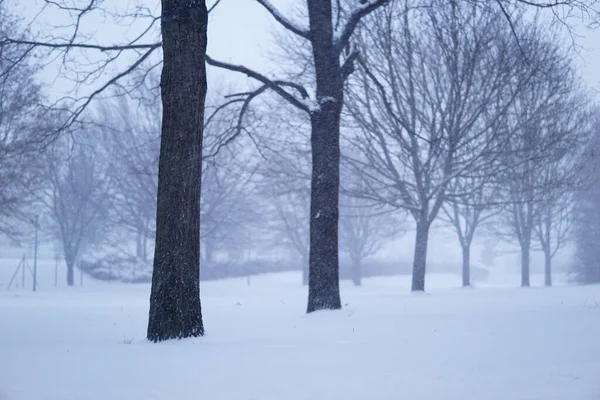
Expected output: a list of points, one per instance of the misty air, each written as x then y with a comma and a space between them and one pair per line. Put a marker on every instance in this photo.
299, 199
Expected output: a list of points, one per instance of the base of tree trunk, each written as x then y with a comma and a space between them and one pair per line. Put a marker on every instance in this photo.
329, 300
70, 276
548, 270
418, 280
420, 258
166, 323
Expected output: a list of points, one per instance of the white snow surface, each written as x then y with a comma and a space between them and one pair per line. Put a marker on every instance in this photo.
504, 343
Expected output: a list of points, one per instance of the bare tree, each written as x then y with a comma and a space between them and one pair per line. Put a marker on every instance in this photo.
467, 211
285, 180
132, 137
364, 229
175, 310
547, 122
291, 224
427, 106
554, 229
22, 125
328, 32
76, 198
228, 209
560, 178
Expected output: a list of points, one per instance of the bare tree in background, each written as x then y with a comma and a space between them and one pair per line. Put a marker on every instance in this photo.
560, 178
76, 198
291, 224
554, 228
132, 138
546, 121
364, 230
465, 214
228, 209
285, 180
22, 126
427, 105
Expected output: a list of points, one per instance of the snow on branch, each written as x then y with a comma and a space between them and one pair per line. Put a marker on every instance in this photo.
287, 24
276, 85
365, 8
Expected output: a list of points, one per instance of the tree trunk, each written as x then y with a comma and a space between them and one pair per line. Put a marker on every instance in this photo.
466, 265
547, 268
323, 278
525, 265
175, 310
324, 285
420, 258
70, 274
356, 273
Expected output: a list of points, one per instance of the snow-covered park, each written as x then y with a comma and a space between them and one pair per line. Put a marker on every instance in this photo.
495, 341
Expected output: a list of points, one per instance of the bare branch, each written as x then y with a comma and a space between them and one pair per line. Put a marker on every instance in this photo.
285, 22
273, 85
79, 110
359, 13
69, 45
212, 8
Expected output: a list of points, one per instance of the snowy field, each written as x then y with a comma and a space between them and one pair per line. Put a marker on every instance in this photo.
501, 343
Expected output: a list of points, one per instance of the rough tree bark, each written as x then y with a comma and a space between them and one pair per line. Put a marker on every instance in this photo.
175, 310
323, 285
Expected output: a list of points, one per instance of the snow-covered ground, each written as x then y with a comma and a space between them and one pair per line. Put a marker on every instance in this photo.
501, 343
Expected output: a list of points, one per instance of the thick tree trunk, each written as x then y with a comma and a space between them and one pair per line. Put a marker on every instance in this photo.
323, 278
323, 285
547, 268
356, 273
466, 265
175, 310
420, 258
525, 265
